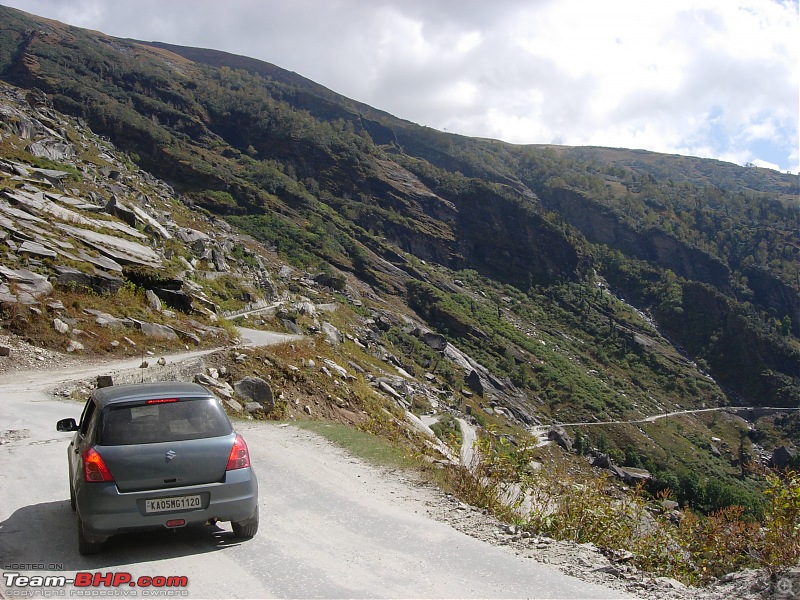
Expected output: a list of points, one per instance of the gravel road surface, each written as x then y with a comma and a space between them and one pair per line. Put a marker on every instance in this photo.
331, 526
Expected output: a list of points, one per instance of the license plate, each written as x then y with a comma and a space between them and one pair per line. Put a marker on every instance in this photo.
175, 503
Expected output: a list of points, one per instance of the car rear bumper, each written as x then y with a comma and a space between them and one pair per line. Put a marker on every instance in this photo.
106, 511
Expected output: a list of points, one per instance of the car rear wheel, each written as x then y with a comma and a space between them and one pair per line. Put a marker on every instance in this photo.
72, 504
246, 529
84, 545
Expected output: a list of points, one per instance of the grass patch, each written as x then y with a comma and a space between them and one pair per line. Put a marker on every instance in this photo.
375, 450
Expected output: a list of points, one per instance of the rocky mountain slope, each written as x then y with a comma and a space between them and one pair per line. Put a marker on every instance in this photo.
100, 260
147, 191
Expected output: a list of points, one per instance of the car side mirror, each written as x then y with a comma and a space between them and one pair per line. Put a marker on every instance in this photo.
67, 425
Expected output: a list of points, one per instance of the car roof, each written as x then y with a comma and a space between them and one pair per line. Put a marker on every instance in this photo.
149, 391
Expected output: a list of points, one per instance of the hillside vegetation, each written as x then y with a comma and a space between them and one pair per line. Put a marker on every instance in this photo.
514, 286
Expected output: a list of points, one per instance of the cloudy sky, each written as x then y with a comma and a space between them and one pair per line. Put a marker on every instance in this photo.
711, 78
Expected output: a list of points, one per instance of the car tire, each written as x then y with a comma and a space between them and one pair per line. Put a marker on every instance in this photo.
246, 529
84, 545
72, 503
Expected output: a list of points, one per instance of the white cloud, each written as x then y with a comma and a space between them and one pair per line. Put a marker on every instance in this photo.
704, 77
766, 165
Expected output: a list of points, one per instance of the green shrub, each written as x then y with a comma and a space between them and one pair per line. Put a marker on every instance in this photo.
551, 501
781, 545
448, 430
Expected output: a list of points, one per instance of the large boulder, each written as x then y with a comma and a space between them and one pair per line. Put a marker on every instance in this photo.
475, 383
191, 236
177, 299
153, 300
156, 330
106, 320
560, 437
332, 335
60, 326
602, 461
629, 475
187, 336
292, 326
306, 308
333, 281
123, 213
783, 457
435, 341
255, 389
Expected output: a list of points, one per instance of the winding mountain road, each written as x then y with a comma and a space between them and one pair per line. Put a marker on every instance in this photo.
332, 526
256, 337
542, 429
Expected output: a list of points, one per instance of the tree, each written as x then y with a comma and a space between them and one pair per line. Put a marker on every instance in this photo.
580, 443
786, 326
602, 442
744, 454
632, 457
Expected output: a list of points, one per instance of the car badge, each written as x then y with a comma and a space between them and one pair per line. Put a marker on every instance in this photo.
170, 455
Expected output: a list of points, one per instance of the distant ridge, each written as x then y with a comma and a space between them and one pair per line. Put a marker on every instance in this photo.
220, 58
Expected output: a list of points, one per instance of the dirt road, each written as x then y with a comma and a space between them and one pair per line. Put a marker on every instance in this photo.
332, 527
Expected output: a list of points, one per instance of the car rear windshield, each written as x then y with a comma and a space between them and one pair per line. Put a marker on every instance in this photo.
168, 421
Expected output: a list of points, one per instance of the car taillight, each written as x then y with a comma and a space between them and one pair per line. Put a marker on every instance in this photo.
239, 457
94, 469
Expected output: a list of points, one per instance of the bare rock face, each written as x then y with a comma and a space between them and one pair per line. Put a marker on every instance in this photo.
264, 282
255, 389
29, 285
36, 250
99, 282
121, 250
52, 150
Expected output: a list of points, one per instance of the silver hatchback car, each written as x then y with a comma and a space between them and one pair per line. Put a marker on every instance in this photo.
155, 455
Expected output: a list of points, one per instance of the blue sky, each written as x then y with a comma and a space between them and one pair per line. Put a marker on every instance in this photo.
711, 78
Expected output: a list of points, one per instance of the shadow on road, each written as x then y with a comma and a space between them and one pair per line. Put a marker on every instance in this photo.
46, 534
